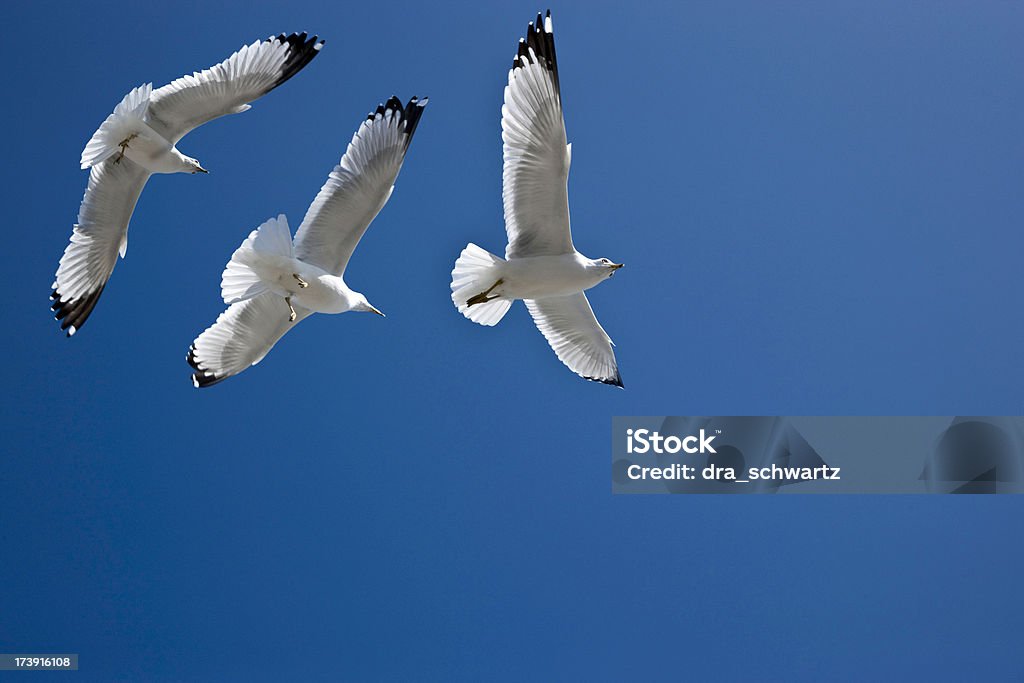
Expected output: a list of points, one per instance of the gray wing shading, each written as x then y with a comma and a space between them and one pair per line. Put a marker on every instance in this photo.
228, 87
241, 337
100, 234
536, 169
358, 187
579, 341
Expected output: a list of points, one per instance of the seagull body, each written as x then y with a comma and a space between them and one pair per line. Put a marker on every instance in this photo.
323, 293
540, 277
541, 265
266, 261
126, 130
140, 138
157, 155
272, 281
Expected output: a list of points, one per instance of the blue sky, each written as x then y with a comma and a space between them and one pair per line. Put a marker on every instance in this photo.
819, 206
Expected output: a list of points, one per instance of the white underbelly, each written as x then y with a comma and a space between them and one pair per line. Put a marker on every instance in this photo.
151, 157
543, 276
324, 293
149, 150
320, 298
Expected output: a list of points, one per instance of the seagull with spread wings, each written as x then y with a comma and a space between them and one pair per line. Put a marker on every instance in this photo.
541, 265
271, 283
140, 138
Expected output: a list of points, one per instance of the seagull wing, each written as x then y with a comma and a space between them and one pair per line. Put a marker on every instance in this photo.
536, 170
579, 341
228, 87
358, 187
100, 234
242, 336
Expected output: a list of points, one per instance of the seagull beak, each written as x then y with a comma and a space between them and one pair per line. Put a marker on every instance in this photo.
616, 266
374, 310
201, 169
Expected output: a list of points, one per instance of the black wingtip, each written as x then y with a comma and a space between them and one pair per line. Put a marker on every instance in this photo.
409, 114
301, 51
413, 112
542, 43
613, 381
72, 313
200, 378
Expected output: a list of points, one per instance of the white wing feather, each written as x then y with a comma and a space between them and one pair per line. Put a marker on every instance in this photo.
228, 87
100, 234
358, 187
241, 337
579, 341
536, 169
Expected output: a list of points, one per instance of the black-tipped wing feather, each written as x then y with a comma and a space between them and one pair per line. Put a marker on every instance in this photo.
230, 86
579, 341
99, 235
358, 187
539, 40
241, 337
536, 170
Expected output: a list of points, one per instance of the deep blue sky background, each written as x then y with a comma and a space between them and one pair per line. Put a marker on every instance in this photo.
819, 206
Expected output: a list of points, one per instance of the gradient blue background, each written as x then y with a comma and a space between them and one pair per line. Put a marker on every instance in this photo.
819, 206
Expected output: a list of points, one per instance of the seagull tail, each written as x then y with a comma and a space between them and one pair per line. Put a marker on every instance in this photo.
119, 126
475, 270
266, 249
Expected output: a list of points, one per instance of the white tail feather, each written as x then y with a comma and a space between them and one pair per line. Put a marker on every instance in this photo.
125, 120
475, 271
267, 244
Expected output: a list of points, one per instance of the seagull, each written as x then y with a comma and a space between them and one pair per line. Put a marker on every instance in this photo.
541, 265
271, 283
140, 138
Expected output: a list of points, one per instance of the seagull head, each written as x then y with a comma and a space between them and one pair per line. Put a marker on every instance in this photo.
194, 166
365, 306
608, 266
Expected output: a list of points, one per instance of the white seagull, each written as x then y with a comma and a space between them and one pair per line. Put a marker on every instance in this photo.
140, 139
270, 283
541, 266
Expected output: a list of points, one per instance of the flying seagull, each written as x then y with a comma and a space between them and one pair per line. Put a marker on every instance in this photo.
541, 265
271, 283
140, 139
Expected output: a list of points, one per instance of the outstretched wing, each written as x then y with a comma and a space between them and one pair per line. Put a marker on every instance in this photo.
101, 232
536, 170
229, 87
241, 337
358, 187
579, 341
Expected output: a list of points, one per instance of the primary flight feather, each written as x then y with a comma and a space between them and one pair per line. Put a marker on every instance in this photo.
140, 138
